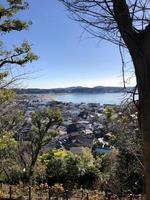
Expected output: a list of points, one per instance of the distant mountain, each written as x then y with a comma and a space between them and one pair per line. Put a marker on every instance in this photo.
78, 89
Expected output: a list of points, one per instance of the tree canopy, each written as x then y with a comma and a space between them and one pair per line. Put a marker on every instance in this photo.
101, 17
17, 56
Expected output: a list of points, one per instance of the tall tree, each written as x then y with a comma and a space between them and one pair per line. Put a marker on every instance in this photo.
10, 59
41, 134
125, 23
17, 56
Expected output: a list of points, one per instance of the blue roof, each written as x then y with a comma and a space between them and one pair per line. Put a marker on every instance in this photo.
103, 150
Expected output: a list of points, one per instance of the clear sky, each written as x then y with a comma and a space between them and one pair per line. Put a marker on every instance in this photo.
66, 57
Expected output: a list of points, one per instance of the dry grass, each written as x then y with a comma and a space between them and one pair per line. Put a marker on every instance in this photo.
21, 192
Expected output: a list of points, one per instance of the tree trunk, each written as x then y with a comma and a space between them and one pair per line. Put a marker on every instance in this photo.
145, 128
138, 45
33, 162
140, 54
141, 61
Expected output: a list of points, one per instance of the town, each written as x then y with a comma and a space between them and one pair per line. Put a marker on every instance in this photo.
84, 125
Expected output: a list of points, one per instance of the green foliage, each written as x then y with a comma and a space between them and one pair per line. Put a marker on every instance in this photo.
90, 179
42, 121
8, 11
39, 174
6, 96
126, 171
110, 113
130, 162
45, 118
8, 150
11, 120
18, 55
10, 172
41, 133
86, 158
7, 143
120, 170
72, 170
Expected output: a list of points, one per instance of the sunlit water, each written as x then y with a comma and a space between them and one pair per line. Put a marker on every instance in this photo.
102, 98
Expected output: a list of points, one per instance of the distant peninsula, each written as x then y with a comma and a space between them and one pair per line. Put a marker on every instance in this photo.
78, 89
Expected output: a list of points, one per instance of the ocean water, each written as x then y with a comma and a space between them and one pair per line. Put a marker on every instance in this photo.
102, 98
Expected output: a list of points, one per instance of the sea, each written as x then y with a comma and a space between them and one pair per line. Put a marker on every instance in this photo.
102, 98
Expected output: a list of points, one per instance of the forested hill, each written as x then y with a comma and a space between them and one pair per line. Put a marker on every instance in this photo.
98, 89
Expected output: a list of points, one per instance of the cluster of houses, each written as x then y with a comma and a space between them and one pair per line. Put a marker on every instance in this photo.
83, 125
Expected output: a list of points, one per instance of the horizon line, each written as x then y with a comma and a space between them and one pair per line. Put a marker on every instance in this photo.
75, 87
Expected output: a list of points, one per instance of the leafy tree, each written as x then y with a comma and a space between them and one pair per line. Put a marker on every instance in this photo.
62, 167
124, 166
11, 119
90, 179
129, 173
40, 135
125, 23
8, 149
71, 170
130, 170
17, 56
11, 124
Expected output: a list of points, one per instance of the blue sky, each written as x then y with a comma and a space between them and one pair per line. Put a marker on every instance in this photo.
66, 57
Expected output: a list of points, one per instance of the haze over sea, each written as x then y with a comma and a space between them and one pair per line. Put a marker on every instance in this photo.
102, 98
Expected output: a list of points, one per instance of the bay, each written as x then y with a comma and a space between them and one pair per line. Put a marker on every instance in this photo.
102, 98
